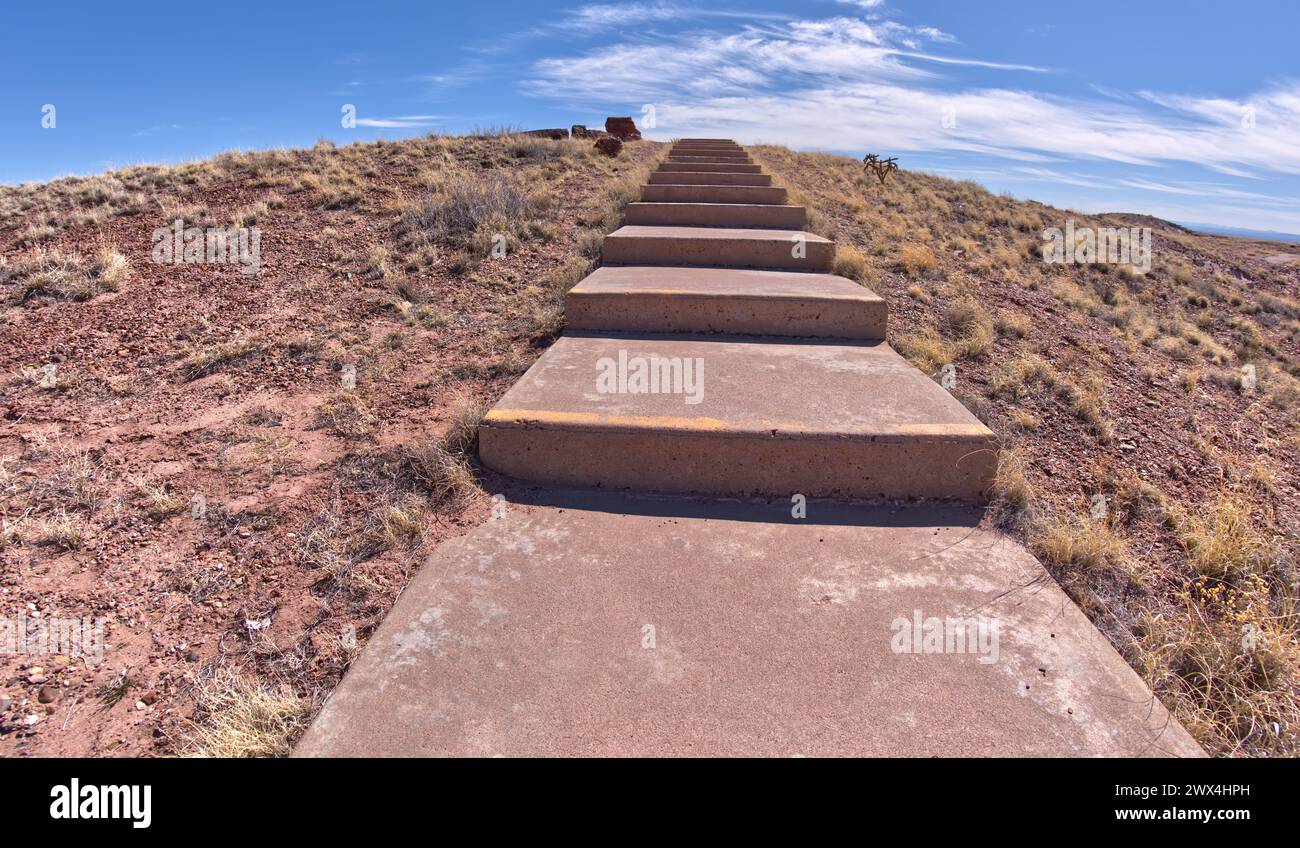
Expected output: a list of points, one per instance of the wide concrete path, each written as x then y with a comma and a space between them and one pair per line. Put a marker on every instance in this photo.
598, 624
716, 354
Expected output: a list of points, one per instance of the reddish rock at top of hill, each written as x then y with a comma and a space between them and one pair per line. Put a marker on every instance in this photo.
622, 128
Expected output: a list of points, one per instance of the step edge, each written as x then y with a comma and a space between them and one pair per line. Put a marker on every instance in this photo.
504, 418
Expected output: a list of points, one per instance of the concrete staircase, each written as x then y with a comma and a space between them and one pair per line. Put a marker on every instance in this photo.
776, 375
600, 623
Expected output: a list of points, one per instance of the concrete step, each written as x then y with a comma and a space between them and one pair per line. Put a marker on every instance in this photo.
705, 151
710, 160
712, 194
718, 145
703, 156
766, 215
753, 415
716, 167
709, 178
708, 151
793, 250
634, 298
772, 637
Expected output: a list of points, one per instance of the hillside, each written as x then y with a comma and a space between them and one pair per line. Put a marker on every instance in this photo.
319, 500
176, 380
1104, 381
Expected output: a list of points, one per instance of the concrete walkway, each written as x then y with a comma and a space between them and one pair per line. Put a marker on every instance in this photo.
770, 636
715, 356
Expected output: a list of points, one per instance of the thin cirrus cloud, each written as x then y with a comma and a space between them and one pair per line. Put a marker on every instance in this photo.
780, 84
600, 16
401, 121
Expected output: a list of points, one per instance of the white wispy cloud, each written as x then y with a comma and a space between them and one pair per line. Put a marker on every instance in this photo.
844, 84
600, 16
400, 121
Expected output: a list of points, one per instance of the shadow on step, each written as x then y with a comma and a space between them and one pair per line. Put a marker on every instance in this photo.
819, 511
730, 338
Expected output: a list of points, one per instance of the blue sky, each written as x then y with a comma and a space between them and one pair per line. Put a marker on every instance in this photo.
1188, 110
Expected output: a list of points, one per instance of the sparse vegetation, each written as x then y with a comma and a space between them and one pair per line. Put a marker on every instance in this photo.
190, 435
916, 260
1107, 381
44, 274
239, 718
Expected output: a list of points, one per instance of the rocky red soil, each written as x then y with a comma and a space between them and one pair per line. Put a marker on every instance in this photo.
180, 382
1149, 419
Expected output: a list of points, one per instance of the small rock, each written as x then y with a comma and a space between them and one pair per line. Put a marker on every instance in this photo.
36, 679
140, 706
609, 146
47, 695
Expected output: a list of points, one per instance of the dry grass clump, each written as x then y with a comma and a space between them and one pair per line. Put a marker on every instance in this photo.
58, 530
1087, 402
464, 417
442, 466
916, 259
200, 363
926, 350
1008, 324
850, 263
970, 326
1011, 487
1078, 545
1021, 375
347, 415
535, 149
239, 718
464, 205
399, 487
158, 501
446, 475
1225, 542
1229, 659
249, 215
75, 479
399, 524
1137, 500
47, 275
